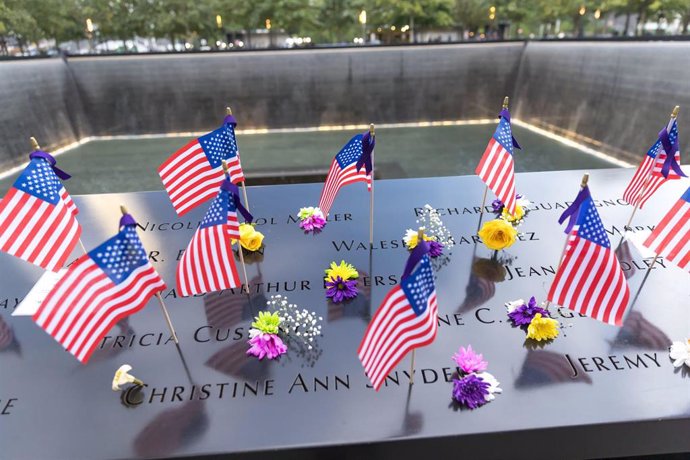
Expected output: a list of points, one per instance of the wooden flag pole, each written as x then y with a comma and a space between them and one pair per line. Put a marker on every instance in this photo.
583, 184
239, 244
674, 115
35, 146
506, 101
420, 238
371, 195
124, 211
228, 111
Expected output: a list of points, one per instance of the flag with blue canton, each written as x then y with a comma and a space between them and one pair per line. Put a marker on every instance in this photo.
344, 171
497, 167
208, 263
589, 279
37, 218
649, 175
102, 287
407, 319
192, 175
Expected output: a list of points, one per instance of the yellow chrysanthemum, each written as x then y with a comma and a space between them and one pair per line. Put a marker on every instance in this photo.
541, 328
250, 238
344, 270
497, 234
519, 214
410, 239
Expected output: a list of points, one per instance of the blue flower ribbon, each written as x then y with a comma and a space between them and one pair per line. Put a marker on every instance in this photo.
418, 252
368, 143
671, 149
228, 186
506, 115
51, 160
574, 209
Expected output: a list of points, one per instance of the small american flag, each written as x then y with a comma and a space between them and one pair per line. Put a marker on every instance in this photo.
103, 286
496, 168
192, 175
590, 280
208, 263
671, 238
37, 218
346, 168
649, 175
407, 319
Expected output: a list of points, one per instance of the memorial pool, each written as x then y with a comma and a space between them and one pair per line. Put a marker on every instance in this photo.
129, 164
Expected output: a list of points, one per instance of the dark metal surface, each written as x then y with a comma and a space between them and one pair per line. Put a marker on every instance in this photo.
61, 409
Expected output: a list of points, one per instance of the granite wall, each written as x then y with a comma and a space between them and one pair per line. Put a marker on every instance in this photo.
612, 95
40, 99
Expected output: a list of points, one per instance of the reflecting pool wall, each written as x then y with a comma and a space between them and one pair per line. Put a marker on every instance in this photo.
613, 96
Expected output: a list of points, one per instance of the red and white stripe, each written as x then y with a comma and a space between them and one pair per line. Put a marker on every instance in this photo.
38, 231
395, 330
497, 170
671, 238
590, 281
189, 178
85, 304
208, 262
338, 178
640, 181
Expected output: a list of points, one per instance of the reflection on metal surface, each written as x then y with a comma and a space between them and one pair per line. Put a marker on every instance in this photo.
542, 367
8, 341
172, 430
639, 332
323, 400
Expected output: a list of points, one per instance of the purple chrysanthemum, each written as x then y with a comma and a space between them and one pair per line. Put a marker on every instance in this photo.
497, 206
523, 314
266, 345
312, 223
468, 361
470, 391
339, 289
435, 248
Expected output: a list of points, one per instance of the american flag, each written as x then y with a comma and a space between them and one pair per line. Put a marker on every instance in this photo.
590, 280
346, 169
407, 319
479, 289
192, 175
208, 263
649, 177
103, 286
671, 238
496, 168
37, 218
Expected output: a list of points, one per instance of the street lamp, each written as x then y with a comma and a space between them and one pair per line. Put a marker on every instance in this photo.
89, 32
219, 21
363, 20
583, 10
